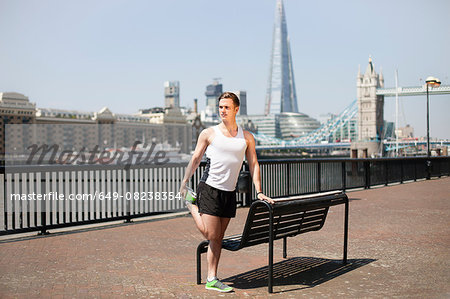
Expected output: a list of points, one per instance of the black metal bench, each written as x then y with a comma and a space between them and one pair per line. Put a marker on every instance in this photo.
288, 217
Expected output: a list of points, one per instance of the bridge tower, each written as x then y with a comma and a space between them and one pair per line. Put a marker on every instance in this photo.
370, 113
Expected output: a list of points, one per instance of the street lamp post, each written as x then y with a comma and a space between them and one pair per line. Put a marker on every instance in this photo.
430, 82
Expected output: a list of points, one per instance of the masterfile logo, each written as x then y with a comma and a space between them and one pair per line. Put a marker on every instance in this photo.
86, 144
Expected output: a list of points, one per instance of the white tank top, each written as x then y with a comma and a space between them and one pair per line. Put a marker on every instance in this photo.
224, 158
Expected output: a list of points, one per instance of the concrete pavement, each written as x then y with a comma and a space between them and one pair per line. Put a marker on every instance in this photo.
399, 246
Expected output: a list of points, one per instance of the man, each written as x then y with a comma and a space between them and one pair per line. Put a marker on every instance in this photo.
225, 146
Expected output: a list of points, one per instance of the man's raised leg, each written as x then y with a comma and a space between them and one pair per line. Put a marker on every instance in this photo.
197, 218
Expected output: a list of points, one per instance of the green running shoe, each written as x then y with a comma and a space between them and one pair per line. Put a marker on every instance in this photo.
217, 285
191, 196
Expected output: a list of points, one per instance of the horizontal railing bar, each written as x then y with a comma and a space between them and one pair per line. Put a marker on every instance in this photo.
326, 160
54, 168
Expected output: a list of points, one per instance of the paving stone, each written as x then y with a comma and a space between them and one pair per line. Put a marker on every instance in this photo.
399, 246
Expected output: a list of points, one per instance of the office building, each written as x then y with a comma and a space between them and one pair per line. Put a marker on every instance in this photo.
172, 94
73, 130
281, 94
242, 95
212, 93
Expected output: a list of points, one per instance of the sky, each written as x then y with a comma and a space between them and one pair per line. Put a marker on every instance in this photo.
85, 55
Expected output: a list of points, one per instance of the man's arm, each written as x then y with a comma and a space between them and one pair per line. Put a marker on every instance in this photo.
253, 165
200, 148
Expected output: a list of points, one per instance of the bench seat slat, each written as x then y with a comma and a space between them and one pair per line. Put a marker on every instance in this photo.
261, 239
292, 229
256, 241
295, 223
259, 216
258, 230
289, 209
288, 217
297, 230
299, 220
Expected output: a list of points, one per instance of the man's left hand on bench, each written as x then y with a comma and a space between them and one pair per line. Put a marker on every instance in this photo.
262, 196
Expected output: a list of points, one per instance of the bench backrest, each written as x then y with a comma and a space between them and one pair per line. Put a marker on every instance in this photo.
289, 218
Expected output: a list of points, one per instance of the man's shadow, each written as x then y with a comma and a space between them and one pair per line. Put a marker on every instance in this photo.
304, 271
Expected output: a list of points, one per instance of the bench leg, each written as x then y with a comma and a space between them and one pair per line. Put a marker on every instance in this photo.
284, 247
271, 237
270, 274
199, 265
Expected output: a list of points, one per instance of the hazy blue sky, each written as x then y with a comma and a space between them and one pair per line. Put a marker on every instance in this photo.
85, 55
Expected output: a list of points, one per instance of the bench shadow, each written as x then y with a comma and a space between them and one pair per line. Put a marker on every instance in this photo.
299, 272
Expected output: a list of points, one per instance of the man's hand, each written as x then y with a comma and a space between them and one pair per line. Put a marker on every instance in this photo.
262, 196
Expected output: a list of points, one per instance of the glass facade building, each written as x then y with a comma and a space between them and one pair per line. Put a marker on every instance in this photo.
281, 94
284, 126
212, 93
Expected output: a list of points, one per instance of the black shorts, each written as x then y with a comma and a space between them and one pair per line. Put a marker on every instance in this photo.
215, 202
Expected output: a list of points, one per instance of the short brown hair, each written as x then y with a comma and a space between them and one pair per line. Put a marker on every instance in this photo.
230, 95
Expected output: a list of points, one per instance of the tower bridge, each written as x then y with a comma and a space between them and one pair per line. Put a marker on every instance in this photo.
367, 110
412, 91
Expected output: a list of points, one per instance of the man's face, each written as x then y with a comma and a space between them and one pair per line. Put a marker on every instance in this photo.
227, 110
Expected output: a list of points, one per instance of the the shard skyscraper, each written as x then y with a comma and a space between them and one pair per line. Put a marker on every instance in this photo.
281, 95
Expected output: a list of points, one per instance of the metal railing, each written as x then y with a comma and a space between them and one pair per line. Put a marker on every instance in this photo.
114, 193
294, 176
91, 194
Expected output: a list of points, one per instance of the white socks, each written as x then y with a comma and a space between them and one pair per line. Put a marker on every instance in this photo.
209, 280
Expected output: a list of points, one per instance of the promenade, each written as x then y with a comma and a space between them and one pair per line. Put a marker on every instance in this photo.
399, 246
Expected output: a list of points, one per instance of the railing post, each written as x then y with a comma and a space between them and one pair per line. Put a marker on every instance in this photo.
127, 189
5, 200
344, 177
415, 170
428, 166
440, 171
401, 171
448, 166
318, 177
367, 173
386, 172
288, 178
43, 208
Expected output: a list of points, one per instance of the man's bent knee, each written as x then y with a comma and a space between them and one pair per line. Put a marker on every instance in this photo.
215, 239
214, 236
